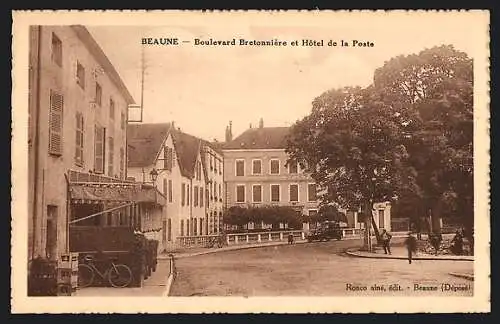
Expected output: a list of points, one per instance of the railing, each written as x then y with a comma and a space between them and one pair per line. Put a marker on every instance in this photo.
256, 237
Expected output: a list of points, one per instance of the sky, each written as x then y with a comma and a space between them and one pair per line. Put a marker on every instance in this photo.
202, 88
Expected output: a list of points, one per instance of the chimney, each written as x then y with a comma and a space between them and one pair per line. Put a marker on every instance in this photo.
261, 123
173, 124
250, 126
229, 132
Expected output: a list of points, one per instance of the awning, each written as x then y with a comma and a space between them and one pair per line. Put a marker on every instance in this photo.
114, 193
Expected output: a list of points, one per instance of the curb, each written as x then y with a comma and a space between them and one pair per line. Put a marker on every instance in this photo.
238, 247
242, 247
462, 275
429, 258
168, 285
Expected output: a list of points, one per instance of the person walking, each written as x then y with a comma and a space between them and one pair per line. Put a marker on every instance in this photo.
386, 241
290, 238
411, 246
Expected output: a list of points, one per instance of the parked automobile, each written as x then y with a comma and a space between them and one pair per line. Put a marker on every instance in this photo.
326, 232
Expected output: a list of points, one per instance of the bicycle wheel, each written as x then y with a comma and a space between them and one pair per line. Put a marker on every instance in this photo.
85, 275
120, 276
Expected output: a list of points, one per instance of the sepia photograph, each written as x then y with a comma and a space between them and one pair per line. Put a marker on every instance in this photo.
254, 161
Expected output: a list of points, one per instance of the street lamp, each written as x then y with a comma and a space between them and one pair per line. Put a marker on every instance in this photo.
153, 175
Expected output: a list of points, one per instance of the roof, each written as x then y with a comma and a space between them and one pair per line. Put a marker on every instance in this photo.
187, 148
216, 146
144, 142
260, 138
103, 60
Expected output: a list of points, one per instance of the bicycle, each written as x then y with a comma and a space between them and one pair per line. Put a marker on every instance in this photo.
118, 275
218, 241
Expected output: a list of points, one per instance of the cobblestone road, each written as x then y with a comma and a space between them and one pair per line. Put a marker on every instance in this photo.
314, 269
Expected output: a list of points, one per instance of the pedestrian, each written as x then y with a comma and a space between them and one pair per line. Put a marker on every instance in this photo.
290, 238
419, 229
457, 242
386, 240
411, 246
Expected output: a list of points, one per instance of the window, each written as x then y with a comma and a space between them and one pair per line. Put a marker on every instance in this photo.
182, 227
275, 193
122, 120
220, 191
240, 168
80, 75
195, 196
312, 192
165, 186
122, 163
257, 167
164, 231
111, 109
211, 162
294, 192
381, 218
79, 139
257, 193
312, 212
216, 162
99, 144
167, 158
188, 193
56, 123
111, 152
201, 196
215, 190
240, 193
275, 166
183, 194
188, 232
293, 168
169, 229
195, 226
201, 226
51, 238
170, 193
56, 50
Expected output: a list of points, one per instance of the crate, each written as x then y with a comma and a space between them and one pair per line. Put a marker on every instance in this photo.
74, 261
64, 261
64, 276
64, 290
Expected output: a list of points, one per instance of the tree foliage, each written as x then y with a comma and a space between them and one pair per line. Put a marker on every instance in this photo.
406, 138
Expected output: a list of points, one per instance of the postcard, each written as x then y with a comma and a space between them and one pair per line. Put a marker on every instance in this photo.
250, 162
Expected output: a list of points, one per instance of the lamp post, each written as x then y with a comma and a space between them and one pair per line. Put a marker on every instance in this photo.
153, 176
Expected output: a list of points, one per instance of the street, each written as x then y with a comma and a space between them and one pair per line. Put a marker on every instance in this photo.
315, 269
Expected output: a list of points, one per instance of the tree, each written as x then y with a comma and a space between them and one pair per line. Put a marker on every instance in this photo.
329, 213
352, 144
435, 90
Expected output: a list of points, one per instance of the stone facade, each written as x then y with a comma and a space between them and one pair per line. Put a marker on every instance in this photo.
77, 102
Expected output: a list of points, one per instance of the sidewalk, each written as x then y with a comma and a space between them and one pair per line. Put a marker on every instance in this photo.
154, 286
399, 252
190, 252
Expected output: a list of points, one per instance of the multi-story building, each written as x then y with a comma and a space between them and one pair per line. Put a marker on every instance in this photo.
77, 126
175, 158
257, 173
214, 167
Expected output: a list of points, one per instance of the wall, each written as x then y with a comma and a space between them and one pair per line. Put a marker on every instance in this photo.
52, 188
215, 172
284, 179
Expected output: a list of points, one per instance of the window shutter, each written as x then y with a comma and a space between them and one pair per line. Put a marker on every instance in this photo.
99, 150
79, 139
55, 123
111, 149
